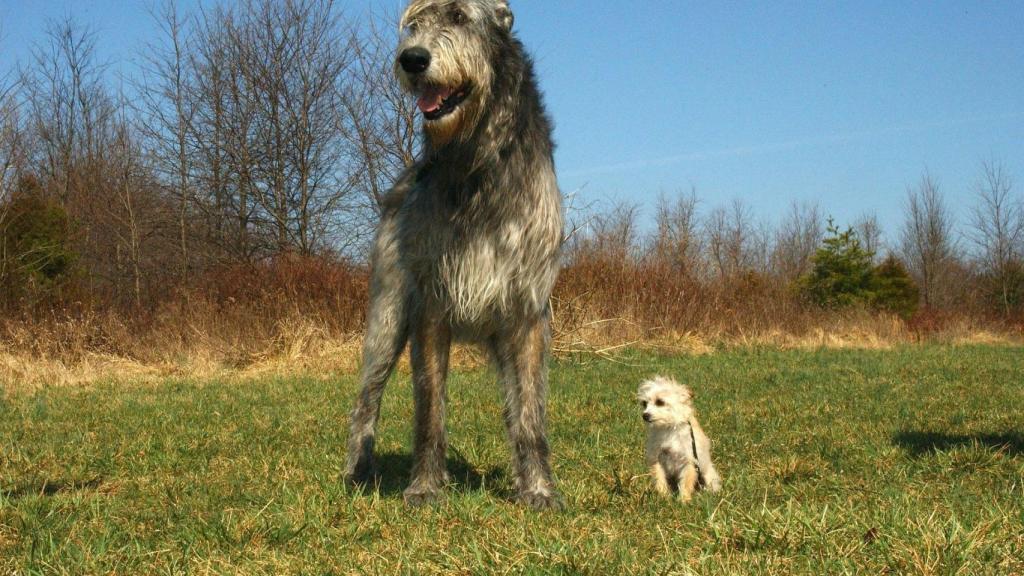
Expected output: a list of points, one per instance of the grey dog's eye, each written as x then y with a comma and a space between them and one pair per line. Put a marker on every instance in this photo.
458, 17
659, 402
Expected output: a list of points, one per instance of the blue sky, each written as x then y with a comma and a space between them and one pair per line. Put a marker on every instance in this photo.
844, 103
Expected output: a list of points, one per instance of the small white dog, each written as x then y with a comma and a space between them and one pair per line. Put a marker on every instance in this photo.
678, 451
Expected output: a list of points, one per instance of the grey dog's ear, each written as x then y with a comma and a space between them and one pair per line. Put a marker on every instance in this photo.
504, 15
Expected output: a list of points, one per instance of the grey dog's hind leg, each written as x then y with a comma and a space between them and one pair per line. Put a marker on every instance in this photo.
386, 334
522, 362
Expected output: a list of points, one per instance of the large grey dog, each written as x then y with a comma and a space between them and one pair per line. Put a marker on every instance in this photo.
469, 242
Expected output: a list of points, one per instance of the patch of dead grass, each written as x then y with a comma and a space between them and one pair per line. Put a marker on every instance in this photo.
68, 355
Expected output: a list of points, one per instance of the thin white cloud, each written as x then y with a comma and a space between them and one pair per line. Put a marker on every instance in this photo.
772, 147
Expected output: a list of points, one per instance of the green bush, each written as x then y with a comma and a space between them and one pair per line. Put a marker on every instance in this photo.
894, 290
844, 275
1003, 289
843, 272
36, 259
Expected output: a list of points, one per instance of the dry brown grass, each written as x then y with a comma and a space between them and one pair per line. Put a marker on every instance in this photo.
601, 305
78, 353
305, 317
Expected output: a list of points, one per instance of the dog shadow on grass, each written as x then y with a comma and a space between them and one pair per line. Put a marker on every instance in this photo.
48, 488
394, 470
926, 443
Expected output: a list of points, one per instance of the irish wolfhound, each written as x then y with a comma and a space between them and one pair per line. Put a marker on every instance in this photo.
469, 242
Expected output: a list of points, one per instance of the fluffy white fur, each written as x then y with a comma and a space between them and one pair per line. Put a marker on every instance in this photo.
672, 434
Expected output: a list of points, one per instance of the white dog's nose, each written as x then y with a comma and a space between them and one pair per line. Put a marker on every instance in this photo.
647, 416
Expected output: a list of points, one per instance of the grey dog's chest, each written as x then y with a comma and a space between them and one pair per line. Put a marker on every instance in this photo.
479, 259
437, 233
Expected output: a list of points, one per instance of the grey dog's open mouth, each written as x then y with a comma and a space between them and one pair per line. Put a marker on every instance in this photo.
437, 102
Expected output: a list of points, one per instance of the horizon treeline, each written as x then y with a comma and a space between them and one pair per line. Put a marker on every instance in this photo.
974, 267
252, 130
242, 167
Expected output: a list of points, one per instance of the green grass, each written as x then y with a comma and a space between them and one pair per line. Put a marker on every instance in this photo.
835, 462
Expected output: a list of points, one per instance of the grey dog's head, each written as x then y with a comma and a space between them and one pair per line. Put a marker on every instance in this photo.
445, 60
665, 402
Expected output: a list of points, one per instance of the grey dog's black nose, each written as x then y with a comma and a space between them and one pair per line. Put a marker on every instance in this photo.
414, 60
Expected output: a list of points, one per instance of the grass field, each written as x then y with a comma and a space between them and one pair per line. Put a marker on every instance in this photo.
908, 461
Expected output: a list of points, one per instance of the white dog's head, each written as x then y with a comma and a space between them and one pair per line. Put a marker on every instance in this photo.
665, 402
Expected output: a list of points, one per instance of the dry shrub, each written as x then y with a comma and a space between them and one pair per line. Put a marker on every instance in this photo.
301, 315
657, 299
603, 304
288, 313
290, 284
244, 314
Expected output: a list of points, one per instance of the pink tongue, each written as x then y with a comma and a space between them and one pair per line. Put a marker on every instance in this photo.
432, 98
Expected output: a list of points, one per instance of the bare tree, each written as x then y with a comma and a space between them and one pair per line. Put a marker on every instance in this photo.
613, 234
256, 95
84, 149
10, 135
797, 240
127, 178
380, 118
258, 127
292, 57
869, 231
221, 135
166, 106
927, 241
998, 232
8, 131
677, 239
69, 107
762, 247
733, 240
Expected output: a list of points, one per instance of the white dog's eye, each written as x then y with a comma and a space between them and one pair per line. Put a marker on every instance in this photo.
643, 403
659, 402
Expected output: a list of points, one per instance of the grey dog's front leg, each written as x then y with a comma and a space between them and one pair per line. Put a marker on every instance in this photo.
386, 334
522, 361
431, 342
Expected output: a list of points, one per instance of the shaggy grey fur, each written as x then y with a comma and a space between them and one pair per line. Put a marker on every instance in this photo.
469, 242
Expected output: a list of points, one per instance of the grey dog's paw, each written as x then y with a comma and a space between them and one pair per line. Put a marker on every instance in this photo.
417, 496
541, 500
359, 475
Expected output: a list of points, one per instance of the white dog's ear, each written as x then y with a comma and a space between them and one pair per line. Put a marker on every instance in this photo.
504, 15
686, 393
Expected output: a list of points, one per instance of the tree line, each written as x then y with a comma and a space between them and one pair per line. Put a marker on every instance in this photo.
260, 131
933, 263
253, 130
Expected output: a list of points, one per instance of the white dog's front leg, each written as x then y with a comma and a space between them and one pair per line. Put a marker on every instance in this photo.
660, 479
687, 482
